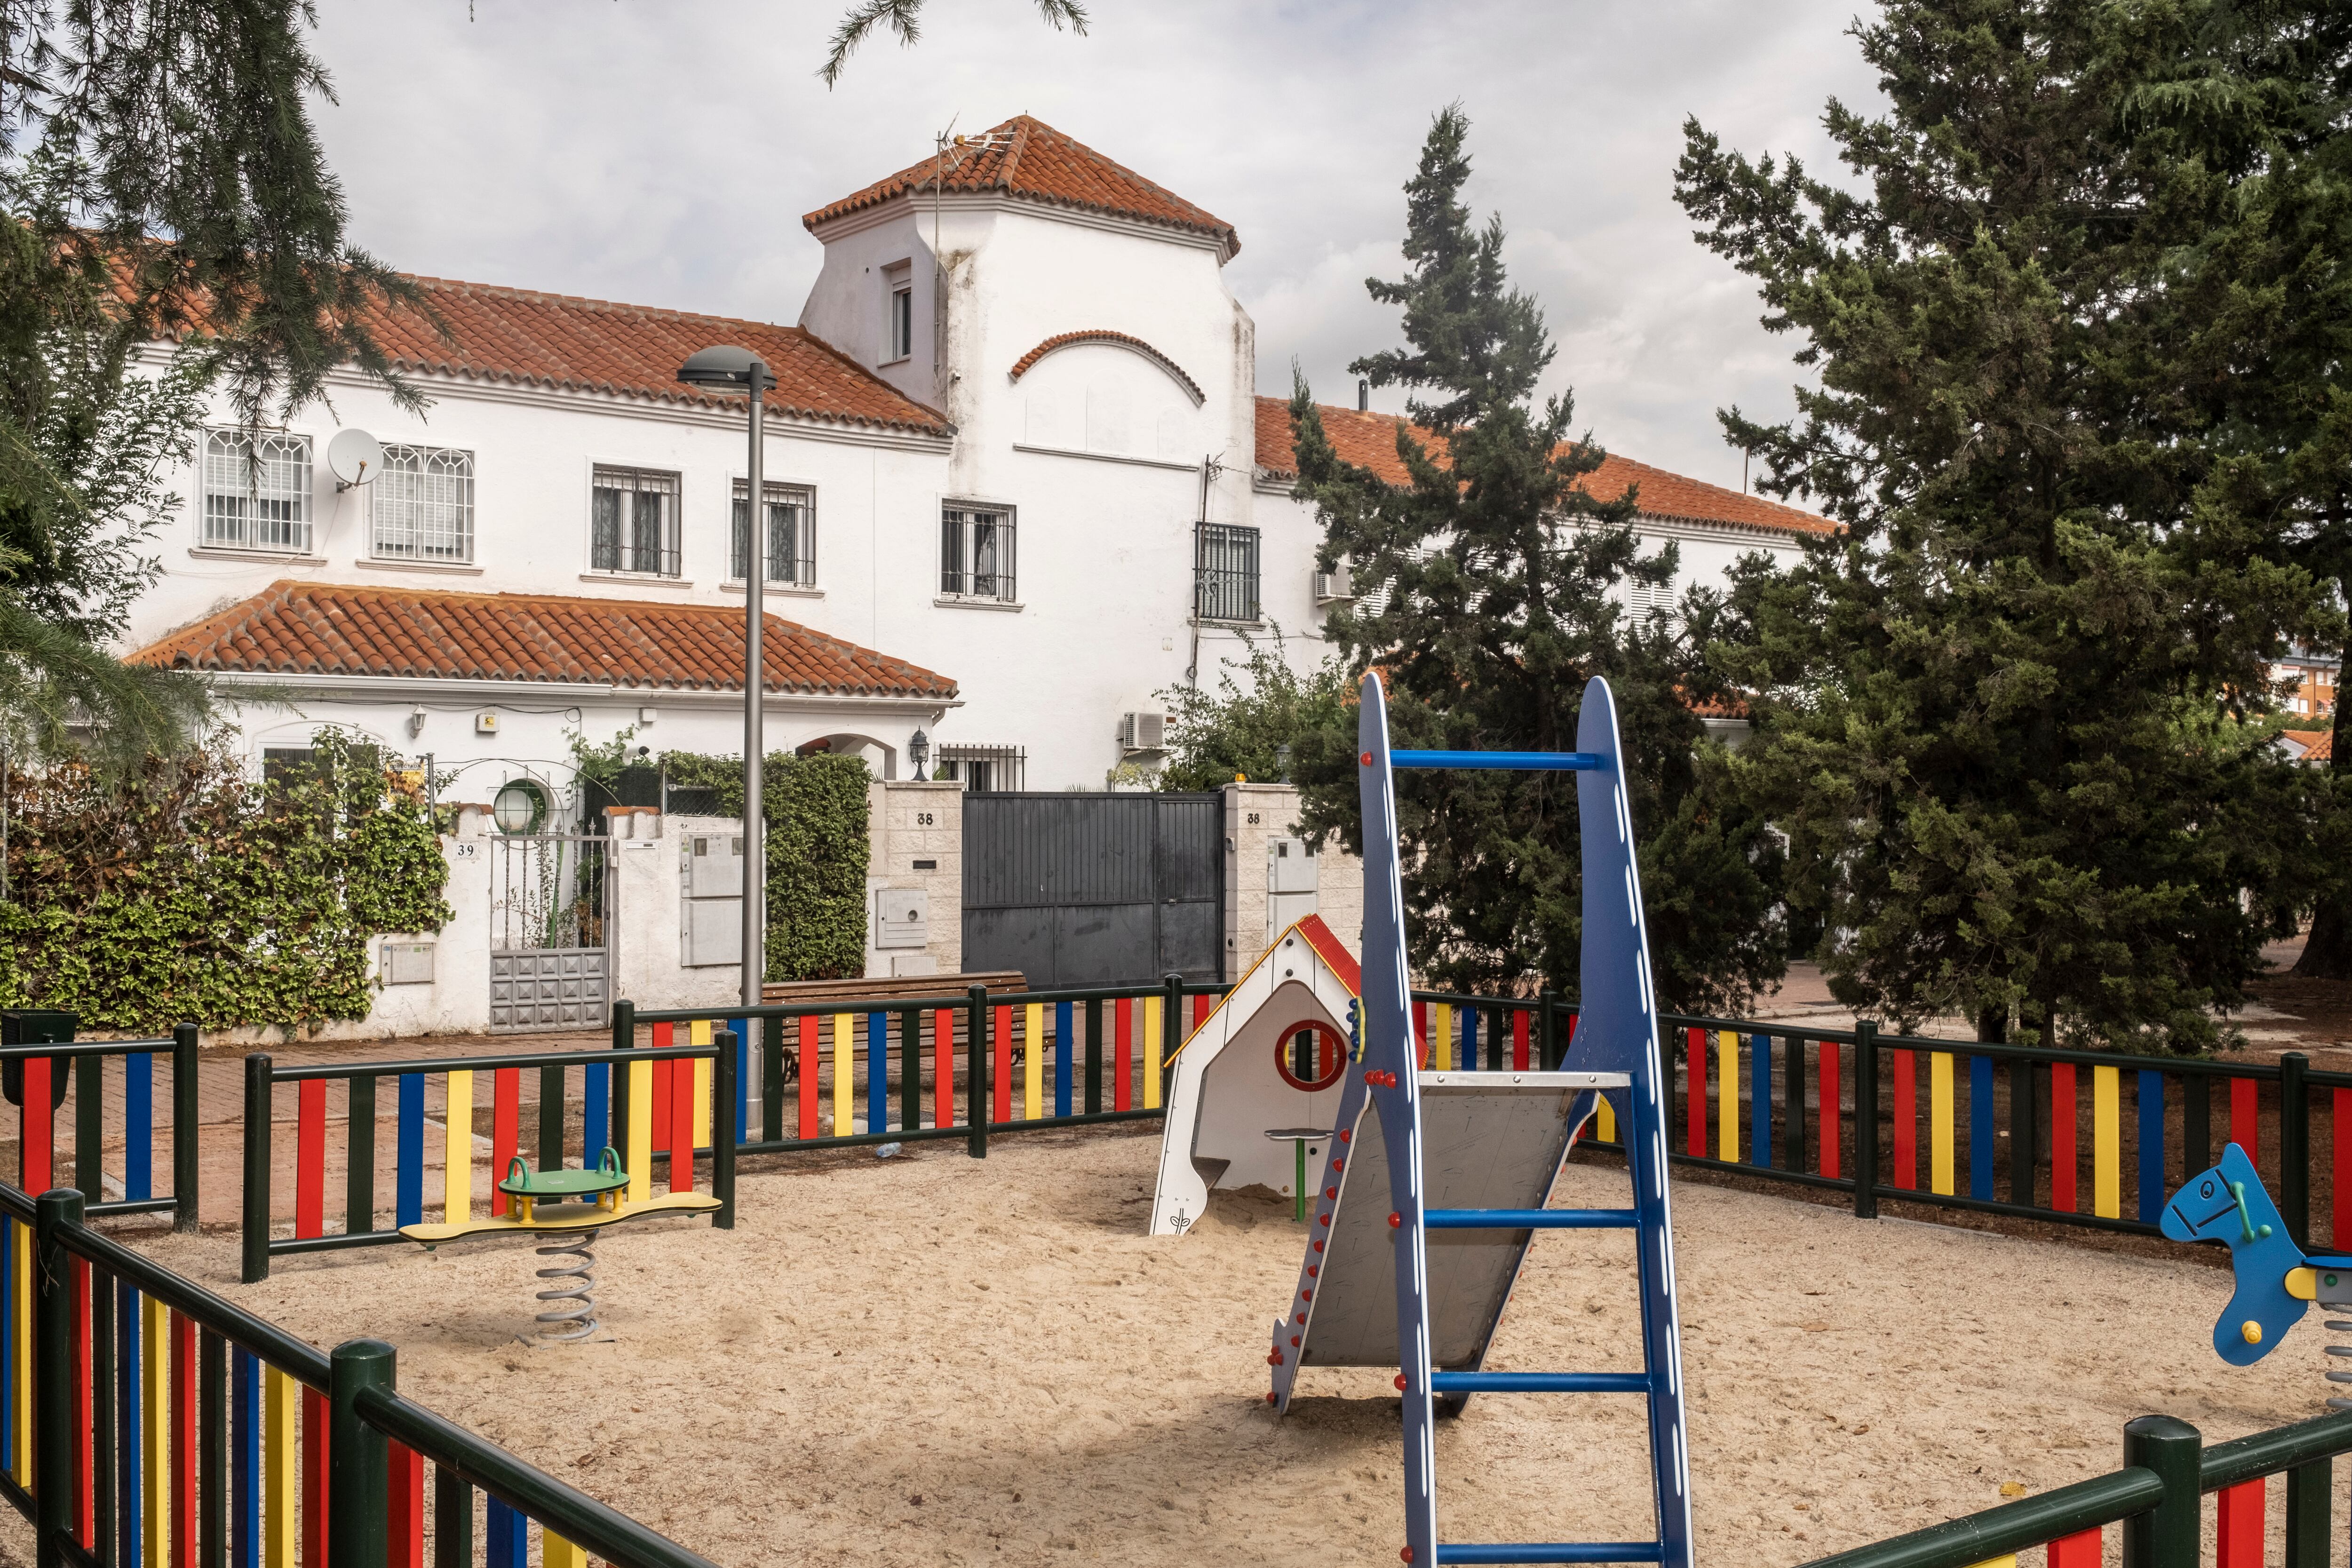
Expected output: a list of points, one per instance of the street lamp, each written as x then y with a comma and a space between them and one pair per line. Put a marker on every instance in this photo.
918, 747
727, 370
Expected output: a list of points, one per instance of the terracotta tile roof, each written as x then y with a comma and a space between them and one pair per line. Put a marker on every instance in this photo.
1369, 441
1029, 159
2316, 745
1117, 339
294, 628
594, 345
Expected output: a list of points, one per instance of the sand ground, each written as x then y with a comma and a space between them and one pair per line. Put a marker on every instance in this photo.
936, 1359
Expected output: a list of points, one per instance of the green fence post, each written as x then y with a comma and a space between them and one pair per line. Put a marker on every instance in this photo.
359, 1478
722, 1131
2308, 1510
1865, 1120
212, 1450
53, 1376
1172, 1026
1548, 1031
910, 1069
256, 1225
771, 1079
90, 1124
2165, 1536
625, 1038
980, 1065
185, 1118
1094, 1055
2295, 1146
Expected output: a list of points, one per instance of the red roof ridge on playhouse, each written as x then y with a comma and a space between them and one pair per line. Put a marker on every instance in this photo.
1327, 946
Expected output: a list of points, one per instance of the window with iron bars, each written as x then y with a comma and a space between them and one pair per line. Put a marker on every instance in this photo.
976, 553
792, 534
423, 504
1224, 572
257, 490
982, 769
633, 521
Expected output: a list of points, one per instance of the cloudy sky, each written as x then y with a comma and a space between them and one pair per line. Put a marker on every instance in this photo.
661, 151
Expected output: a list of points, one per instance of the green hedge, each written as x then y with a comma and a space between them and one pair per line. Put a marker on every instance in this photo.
816, 814
198, 894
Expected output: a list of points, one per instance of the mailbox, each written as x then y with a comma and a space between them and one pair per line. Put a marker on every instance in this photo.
902, 917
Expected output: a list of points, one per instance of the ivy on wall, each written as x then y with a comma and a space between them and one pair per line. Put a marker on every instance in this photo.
816, 814
198, 894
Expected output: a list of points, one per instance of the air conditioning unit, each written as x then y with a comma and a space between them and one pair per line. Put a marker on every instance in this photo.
1143, 732
1331, 587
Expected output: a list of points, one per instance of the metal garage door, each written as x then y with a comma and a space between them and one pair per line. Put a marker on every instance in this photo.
1094, 889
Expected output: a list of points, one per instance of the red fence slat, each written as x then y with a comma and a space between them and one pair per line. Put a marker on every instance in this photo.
944, 1067
1830, 1121
183, 1369
1694, 1091
1907, 1120
681, 1123
2245, 1118
1122, 1029
2062, 1157
39, 1135
506, 1121
2238, 1525
2079, 1551
808, 1063
314, 1478
310, 1157
999, 1077
404, 1507
2340, 1235
1519, 1039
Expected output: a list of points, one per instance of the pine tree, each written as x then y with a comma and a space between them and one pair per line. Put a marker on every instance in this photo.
1499, 565
2074, 318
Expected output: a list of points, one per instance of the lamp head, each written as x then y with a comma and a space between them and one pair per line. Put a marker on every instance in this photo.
918, 748
725, 369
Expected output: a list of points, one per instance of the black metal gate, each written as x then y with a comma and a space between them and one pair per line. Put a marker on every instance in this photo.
1094, 889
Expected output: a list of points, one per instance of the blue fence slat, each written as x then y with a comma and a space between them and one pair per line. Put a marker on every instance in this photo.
1760, 1100
245, 1457
506, 1537
408, 1168
1469, 1055
595, 1113
139, 1126
2151, 1145
1982, 1137
877, 1072
1062, 1054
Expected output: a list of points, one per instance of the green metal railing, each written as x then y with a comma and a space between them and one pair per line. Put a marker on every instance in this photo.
2156, 1497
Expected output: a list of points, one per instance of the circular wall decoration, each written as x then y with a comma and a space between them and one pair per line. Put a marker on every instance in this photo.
1324, 1054
519, 806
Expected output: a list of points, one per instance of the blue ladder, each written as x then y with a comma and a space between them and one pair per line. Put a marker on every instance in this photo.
1617, 1033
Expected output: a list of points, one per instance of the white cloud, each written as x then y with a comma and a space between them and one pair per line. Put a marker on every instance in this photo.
663, 154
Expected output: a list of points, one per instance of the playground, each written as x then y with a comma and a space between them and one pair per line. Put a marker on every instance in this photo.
929, 1359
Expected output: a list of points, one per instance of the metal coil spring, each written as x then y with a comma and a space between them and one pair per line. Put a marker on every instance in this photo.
576, 1312
2339, 1326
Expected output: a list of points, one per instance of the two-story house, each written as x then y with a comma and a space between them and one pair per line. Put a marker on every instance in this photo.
1017, 480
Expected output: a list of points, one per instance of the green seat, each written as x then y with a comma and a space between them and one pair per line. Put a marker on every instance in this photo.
562, 1182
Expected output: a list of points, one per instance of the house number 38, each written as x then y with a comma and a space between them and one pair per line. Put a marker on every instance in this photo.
926, 819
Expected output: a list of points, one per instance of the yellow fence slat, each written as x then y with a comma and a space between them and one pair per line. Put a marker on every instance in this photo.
20, 1307
1939, 1121
457, 1174
155, 1430
1608, 1133
845, 1075
280, 1465
2106, 1142
557, 1552
697, 1033
1440, 1030
1727, 1095
1151, 1068
641, 1131
1032, 1061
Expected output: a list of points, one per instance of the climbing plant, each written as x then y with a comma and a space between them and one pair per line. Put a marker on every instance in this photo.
816, 814
195, 892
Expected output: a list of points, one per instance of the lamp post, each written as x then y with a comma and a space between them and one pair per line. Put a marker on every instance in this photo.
727, 370
918, 747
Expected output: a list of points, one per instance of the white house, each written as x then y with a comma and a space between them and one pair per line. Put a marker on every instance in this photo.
1018, 479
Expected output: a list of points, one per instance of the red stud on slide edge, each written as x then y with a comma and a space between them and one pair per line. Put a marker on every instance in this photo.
1312, 1271
1293, 1341
1395, 1220
1400, 1383
1345, 1134
1365, 760
1405, 1555
1325, 1219
1271, 1398
1318, 1244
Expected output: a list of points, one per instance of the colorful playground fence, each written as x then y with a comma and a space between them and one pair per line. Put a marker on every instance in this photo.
146, 1422
648, 1104
2158, 1499
109, 1148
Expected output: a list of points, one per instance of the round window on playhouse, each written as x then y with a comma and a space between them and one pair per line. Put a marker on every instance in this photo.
1310, 1056
520, 806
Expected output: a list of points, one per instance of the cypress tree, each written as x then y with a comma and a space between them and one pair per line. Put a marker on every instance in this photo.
1501, 572
2073, 314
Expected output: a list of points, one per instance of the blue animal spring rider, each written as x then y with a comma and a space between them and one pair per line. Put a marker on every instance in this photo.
2276, 1281
1476, 1156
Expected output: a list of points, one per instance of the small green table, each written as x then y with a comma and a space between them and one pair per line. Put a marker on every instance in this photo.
1298, 1138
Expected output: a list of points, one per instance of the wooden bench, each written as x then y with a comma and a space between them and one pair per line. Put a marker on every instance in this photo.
888, 988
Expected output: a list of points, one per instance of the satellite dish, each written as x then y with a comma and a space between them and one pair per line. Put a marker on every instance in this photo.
354, 457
